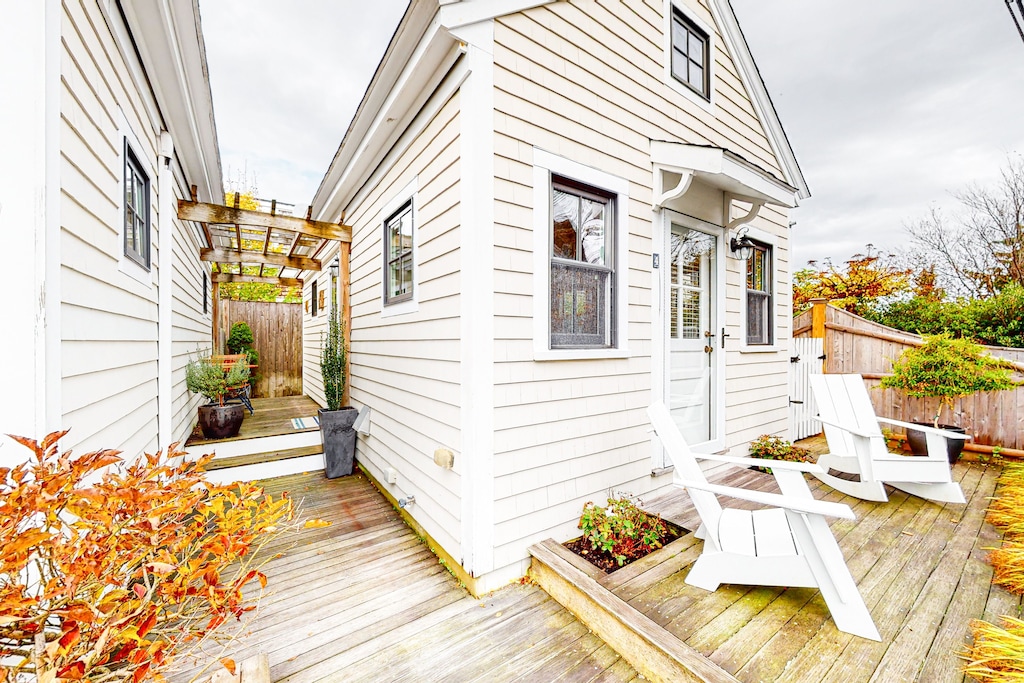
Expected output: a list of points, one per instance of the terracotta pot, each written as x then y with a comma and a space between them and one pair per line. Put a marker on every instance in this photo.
919, 445
221, 422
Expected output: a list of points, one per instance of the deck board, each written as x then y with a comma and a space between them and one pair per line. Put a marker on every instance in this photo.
920, 566
364, 599
271, 417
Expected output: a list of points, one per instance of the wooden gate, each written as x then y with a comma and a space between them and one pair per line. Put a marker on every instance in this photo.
277, 337
805, 358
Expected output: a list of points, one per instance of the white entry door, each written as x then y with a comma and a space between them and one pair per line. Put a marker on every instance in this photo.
693, 327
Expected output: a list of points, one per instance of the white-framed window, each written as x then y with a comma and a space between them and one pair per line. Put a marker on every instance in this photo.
759, 319
580, 256
134, 211
137, 238
582, 266
398, 267
399, 239
689, 54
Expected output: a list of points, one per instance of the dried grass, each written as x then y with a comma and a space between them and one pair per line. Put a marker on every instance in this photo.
997, 655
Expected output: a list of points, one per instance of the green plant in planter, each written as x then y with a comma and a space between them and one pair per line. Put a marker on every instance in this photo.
948, 369
621, 529
771, 447
210, 380
332, 360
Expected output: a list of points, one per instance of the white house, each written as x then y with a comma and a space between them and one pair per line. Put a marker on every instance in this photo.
544, 198
107, 120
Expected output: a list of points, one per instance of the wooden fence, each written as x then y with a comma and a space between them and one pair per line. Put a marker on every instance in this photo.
855, 345
277, 337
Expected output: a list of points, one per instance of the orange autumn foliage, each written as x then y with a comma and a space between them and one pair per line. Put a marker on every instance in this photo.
122, 566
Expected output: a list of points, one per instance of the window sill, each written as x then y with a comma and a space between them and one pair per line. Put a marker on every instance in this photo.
403, 308
579, 354
705, 103
773, 348
136, 272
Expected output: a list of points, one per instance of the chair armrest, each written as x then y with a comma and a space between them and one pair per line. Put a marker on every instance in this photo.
762, 462
844, 427
811, 506
923, 428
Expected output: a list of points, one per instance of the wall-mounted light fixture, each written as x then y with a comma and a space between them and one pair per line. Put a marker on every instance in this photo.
335, 268
741, 246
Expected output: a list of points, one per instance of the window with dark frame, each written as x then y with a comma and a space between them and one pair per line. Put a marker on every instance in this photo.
136, 209
206, 293
312, 296
759, 296
690, 55
582, 266
398, 255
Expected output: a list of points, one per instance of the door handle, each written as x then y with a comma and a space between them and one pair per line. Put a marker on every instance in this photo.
708, 349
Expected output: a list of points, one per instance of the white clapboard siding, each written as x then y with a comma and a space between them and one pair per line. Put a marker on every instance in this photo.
807, 352
406, 367
586, 81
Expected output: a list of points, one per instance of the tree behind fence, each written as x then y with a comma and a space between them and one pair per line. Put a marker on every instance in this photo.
855, 345
277, 337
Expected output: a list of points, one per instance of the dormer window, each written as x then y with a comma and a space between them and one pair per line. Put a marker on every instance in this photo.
690, 55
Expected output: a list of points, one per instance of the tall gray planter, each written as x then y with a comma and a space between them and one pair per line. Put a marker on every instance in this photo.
339, 440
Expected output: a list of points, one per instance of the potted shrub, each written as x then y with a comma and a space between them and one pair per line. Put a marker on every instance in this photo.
217, 420
336, 432
946, 369
240, 340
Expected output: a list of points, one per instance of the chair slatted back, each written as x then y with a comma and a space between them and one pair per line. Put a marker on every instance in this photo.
844, 399
686, 466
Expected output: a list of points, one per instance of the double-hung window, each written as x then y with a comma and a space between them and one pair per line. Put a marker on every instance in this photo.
690, 55
136, 210
582, 266
398, 239
759, 296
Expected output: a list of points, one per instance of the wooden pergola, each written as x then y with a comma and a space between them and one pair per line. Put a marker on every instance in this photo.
244, 245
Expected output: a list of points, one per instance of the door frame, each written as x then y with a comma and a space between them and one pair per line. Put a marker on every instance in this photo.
661, 344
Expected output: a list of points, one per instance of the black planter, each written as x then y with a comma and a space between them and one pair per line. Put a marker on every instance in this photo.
919, 445
221, 422
339, 440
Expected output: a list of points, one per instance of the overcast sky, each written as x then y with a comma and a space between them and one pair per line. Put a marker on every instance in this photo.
891, 105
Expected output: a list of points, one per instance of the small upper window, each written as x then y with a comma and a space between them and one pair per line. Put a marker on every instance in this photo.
582, 268
398, 255
313, 298
759, 296
690, 54
136, 209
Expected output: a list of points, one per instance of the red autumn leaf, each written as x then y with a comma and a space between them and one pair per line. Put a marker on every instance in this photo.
140, 673
147, 625
69, 638
140, 590
74, 671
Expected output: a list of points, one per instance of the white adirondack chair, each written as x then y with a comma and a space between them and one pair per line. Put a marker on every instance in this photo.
857, 446
787, 544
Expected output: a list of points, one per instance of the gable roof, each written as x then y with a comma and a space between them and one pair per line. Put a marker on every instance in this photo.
408, 73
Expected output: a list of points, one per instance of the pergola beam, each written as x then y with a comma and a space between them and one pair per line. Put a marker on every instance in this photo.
272, 259
216, 213
231, 277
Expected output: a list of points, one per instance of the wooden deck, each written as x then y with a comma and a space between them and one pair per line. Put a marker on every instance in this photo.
271, 417
920, 567
365, 600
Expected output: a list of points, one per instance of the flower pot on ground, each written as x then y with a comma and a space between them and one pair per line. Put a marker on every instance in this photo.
336, 432
946, 369
918, 442
212, 381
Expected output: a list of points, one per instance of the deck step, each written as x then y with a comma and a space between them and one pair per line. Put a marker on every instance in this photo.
266, 457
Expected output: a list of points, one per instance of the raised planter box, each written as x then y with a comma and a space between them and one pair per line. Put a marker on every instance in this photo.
650, 649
